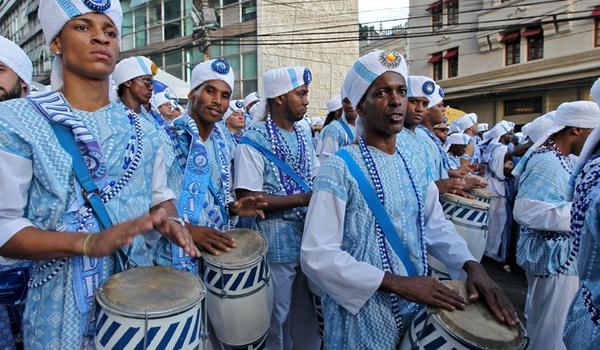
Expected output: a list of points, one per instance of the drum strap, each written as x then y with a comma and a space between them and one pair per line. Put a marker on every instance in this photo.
378, 210
280, 164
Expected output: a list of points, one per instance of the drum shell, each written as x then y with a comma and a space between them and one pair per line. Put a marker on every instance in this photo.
470, 220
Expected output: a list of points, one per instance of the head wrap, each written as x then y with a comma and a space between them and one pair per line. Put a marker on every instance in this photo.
234, 105
17, 60
420, 86
252, 97
595, 91
364, 72
465, 122
133, 67
483, 127
54, 14
456, 139
437, 97
334, 103
535, 129
215, 69
159, 99
279, 82
499, 130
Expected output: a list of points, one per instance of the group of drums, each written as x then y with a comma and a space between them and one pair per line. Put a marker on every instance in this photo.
162, 308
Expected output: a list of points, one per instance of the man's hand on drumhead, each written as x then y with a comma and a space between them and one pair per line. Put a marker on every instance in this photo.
249, 206
176, 233
423, 290
211, 240
479, 284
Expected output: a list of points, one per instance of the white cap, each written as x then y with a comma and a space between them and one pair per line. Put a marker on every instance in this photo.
483, 127
334, 103
595, 91
17, 60
159, 99
252, 97
420, 86
499, 130
536, 129
456, 139
234, 105
215, 69
279, 82
466, 121
133, 67
437, 97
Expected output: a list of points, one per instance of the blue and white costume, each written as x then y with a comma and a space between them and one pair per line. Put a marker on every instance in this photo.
345, 253
337, 134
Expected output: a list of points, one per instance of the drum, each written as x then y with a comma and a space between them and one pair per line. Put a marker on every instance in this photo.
149, 308
481, 194
317, 305
239, 299
475, 327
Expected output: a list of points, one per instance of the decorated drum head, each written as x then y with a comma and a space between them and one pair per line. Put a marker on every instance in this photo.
155, 291
449, 197
482, 192
477, 326
250, 247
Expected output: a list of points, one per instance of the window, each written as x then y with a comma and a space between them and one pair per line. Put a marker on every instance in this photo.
523, 106
436, 61
535, 43
248, 11
512, 43
436, 10
452, 7
243, 60
452, 58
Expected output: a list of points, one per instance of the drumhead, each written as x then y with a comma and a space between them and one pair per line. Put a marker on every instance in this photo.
477, 326
482, 192
250, 247
155, 290
449, 197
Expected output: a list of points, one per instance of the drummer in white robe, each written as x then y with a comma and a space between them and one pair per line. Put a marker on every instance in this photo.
368, 299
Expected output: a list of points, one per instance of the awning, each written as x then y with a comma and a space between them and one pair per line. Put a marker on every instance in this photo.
435, 58
533, 31
596, 11
435, 5
511, 36
451, 53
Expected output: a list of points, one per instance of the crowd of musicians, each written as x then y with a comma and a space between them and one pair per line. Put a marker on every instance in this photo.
103, 174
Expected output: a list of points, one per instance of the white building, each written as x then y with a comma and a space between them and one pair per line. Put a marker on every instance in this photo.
510, 60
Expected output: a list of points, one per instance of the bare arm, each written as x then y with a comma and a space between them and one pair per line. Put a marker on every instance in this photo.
276, 202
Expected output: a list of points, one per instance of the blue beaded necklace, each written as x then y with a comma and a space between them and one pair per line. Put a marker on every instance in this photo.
381, 242
550, 146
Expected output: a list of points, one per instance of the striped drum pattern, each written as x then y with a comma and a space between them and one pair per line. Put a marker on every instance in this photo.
232, 283
426, 333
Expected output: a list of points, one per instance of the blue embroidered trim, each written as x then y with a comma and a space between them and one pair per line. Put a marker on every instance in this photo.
69, 8
364, 72
293, 78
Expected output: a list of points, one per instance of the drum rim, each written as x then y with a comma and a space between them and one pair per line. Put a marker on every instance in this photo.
210, 259
522, 340
473, 203
108, 305
482, 192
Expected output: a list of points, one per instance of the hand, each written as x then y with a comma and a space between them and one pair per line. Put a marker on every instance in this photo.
473, 182
464, 194
423, 290
480, 284
106, 242
249, 206
452, 185
210, 239
177, 234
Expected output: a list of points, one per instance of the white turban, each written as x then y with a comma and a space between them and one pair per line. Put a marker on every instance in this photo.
54, 14
456, 139
535, 130
437, 97
499, 130
215, 69
334, 103
234, 105
420, 86
483, 127
578, 114
364, 72
159, 99
17, 60
595, 91
252, 97
133, 67
466, 121
279, 82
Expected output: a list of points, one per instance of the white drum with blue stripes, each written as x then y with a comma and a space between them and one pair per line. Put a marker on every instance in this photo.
240, 299
473, 328
149, 308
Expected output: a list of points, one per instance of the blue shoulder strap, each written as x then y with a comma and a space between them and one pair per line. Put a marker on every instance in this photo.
347, 130
283, 166
378, 210
67, 141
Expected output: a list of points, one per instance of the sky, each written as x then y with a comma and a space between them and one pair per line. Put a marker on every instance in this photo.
381, 10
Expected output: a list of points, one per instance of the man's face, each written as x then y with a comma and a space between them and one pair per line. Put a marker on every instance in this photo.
441, 133
349, 111
11, 86
458, 150
141, 88
236, 120
384, 104
166, 110
436, 113
210, 101
506, 138
296, 102
415, 111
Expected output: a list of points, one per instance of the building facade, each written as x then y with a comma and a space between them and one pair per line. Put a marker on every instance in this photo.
388, 39
512, 60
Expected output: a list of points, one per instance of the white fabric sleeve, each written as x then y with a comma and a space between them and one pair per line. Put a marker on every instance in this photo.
329, 147
15, 180
316, 165
248, 164
160, 191
349, 282
497, 162
544, 216
443, 242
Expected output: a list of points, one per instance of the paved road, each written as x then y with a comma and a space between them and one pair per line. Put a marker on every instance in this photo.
514, 283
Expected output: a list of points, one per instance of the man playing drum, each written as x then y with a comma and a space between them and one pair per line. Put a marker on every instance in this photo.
546, 249
49, 218
372, 281
275, 157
